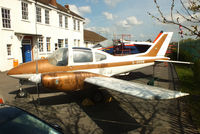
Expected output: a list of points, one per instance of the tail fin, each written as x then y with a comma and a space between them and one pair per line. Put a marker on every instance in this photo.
161, 32
160, 46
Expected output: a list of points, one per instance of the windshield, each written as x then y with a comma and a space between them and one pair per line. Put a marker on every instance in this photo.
14, 121
59, 57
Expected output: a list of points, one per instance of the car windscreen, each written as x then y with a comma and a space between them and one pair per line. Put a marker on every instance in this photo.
17, 121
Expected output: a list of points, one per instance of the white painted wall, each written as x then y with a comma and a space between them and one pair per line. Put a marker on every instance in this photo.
18, 25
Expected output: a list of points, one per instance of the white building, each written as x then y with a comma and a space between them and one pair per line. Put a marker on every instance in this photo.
26, 24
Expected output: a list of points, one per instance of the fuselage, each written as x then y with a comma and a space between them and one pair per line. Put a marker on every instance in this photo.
109, 65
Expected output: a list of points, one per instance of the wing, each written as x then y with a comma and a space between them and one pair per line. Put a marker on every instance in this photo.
135, 89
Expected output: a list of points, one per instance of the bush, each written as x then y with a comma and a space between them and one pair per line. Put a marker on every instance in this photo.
196, 71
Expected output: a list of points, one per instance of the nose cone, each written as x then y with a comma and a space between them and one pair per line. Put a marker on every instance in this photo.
26, 68
13, 71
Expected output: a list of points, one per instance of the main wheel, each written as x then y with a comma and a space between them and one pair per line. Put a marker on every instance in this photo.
97, 96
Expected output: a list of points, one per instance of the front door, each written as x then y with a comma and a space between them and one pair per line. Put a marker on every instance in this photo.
26, 50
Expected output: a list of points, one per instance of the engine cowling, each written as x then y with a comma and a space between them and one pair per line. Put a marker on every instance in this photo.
66, 81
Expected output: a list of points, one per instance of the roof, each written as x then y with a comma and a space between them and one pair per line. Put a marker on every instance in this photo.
60, 7
93, 37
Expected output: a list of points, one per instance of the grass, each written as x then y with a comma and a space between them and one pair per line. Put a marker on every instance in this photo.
189, 85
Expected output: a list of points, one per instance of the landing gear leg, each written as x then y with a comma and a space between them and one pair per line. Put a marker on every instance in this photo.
21, 93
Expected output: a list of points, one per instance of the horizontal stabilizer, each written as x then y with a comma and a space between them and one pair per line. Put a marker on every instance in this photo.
135, 89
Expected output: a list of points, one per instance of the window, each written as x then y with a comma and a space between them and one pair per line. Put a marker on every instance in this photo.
56, 46
74, 42
99, 57
24, 11
66, 22
60, 20
66, 42
82, 56
74, 24
40, 43
38, 14
6, 18
48, 39
60, 43
9, 49
86, 44
78, 43
46, 16
59, 57
78, 25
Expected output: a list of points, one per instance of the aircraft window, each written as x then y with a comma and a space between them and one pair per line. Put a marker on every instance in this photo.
59, 57
82, 56
99, 57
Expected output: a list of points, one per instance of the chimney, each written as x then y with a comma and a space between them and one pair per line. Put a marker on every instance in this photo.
67, 6
53, 2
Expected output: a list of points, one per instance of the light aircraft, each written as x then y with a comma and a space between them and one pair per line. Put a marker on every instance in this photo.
68, 69
127, 47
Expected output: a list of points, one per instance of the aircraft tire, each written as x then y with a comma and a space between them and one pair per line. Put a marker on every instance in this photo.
22, 94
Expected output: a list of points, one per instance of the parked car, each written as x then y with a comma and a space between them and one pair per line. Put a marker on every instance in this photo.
14, 120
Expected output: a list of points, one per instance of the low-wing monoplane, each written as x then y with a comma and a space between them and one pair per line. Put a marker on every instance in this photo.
68, 69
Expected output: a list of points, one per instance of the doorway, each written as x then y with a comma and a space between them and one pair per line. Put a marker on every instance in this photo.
26, 50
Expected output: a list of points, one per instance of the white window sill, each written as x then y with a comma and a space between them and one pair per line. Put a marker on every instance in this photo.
10, 57
26, 20
7, 29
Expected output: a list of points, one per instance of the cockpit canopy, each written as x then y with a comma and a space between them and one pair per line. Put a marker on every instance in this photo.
80, 55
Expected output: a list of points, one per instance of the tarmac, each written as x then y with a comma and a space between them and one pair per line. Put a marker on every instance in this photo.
120, 114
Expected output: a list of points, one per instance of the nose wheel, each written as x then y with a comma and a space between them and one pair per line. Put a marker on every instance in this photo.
21, 93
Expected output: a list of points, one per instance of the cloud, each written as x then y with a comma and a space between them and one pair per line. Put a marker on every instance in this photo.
108, 15
85, 9
87, 21
132, 20
74, 8
112, 3
93, 1
80, 10
129, 22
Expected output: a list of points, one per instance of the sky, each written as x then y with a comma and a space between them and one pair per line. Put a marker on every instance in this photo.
115, 17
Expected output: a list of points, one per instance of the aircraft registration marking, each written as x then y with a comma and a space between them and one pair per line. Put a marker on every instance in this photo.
139, 62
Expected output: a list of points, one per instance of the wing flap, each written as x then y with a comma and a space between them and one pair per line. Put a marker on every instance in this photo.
135, 89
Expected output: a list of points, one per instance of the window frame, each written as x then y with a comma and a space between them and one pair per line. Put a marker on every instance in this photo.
41, 44
48, 44
47, 16
9, 50
78, 25
66, 22
6, 18
38, 14
74, 24
60, 43
66, 42
60, 20
25, 12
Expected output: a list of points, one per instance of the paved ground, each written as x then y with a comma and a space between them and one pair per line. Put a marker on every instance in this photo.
124, 114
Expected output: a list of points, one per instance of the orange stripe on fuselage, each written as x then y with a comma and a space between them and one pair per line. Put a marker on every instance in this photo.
44, 66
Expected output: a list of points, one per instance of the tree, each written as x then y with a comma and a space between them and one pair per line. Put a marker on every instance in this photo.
190, 16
